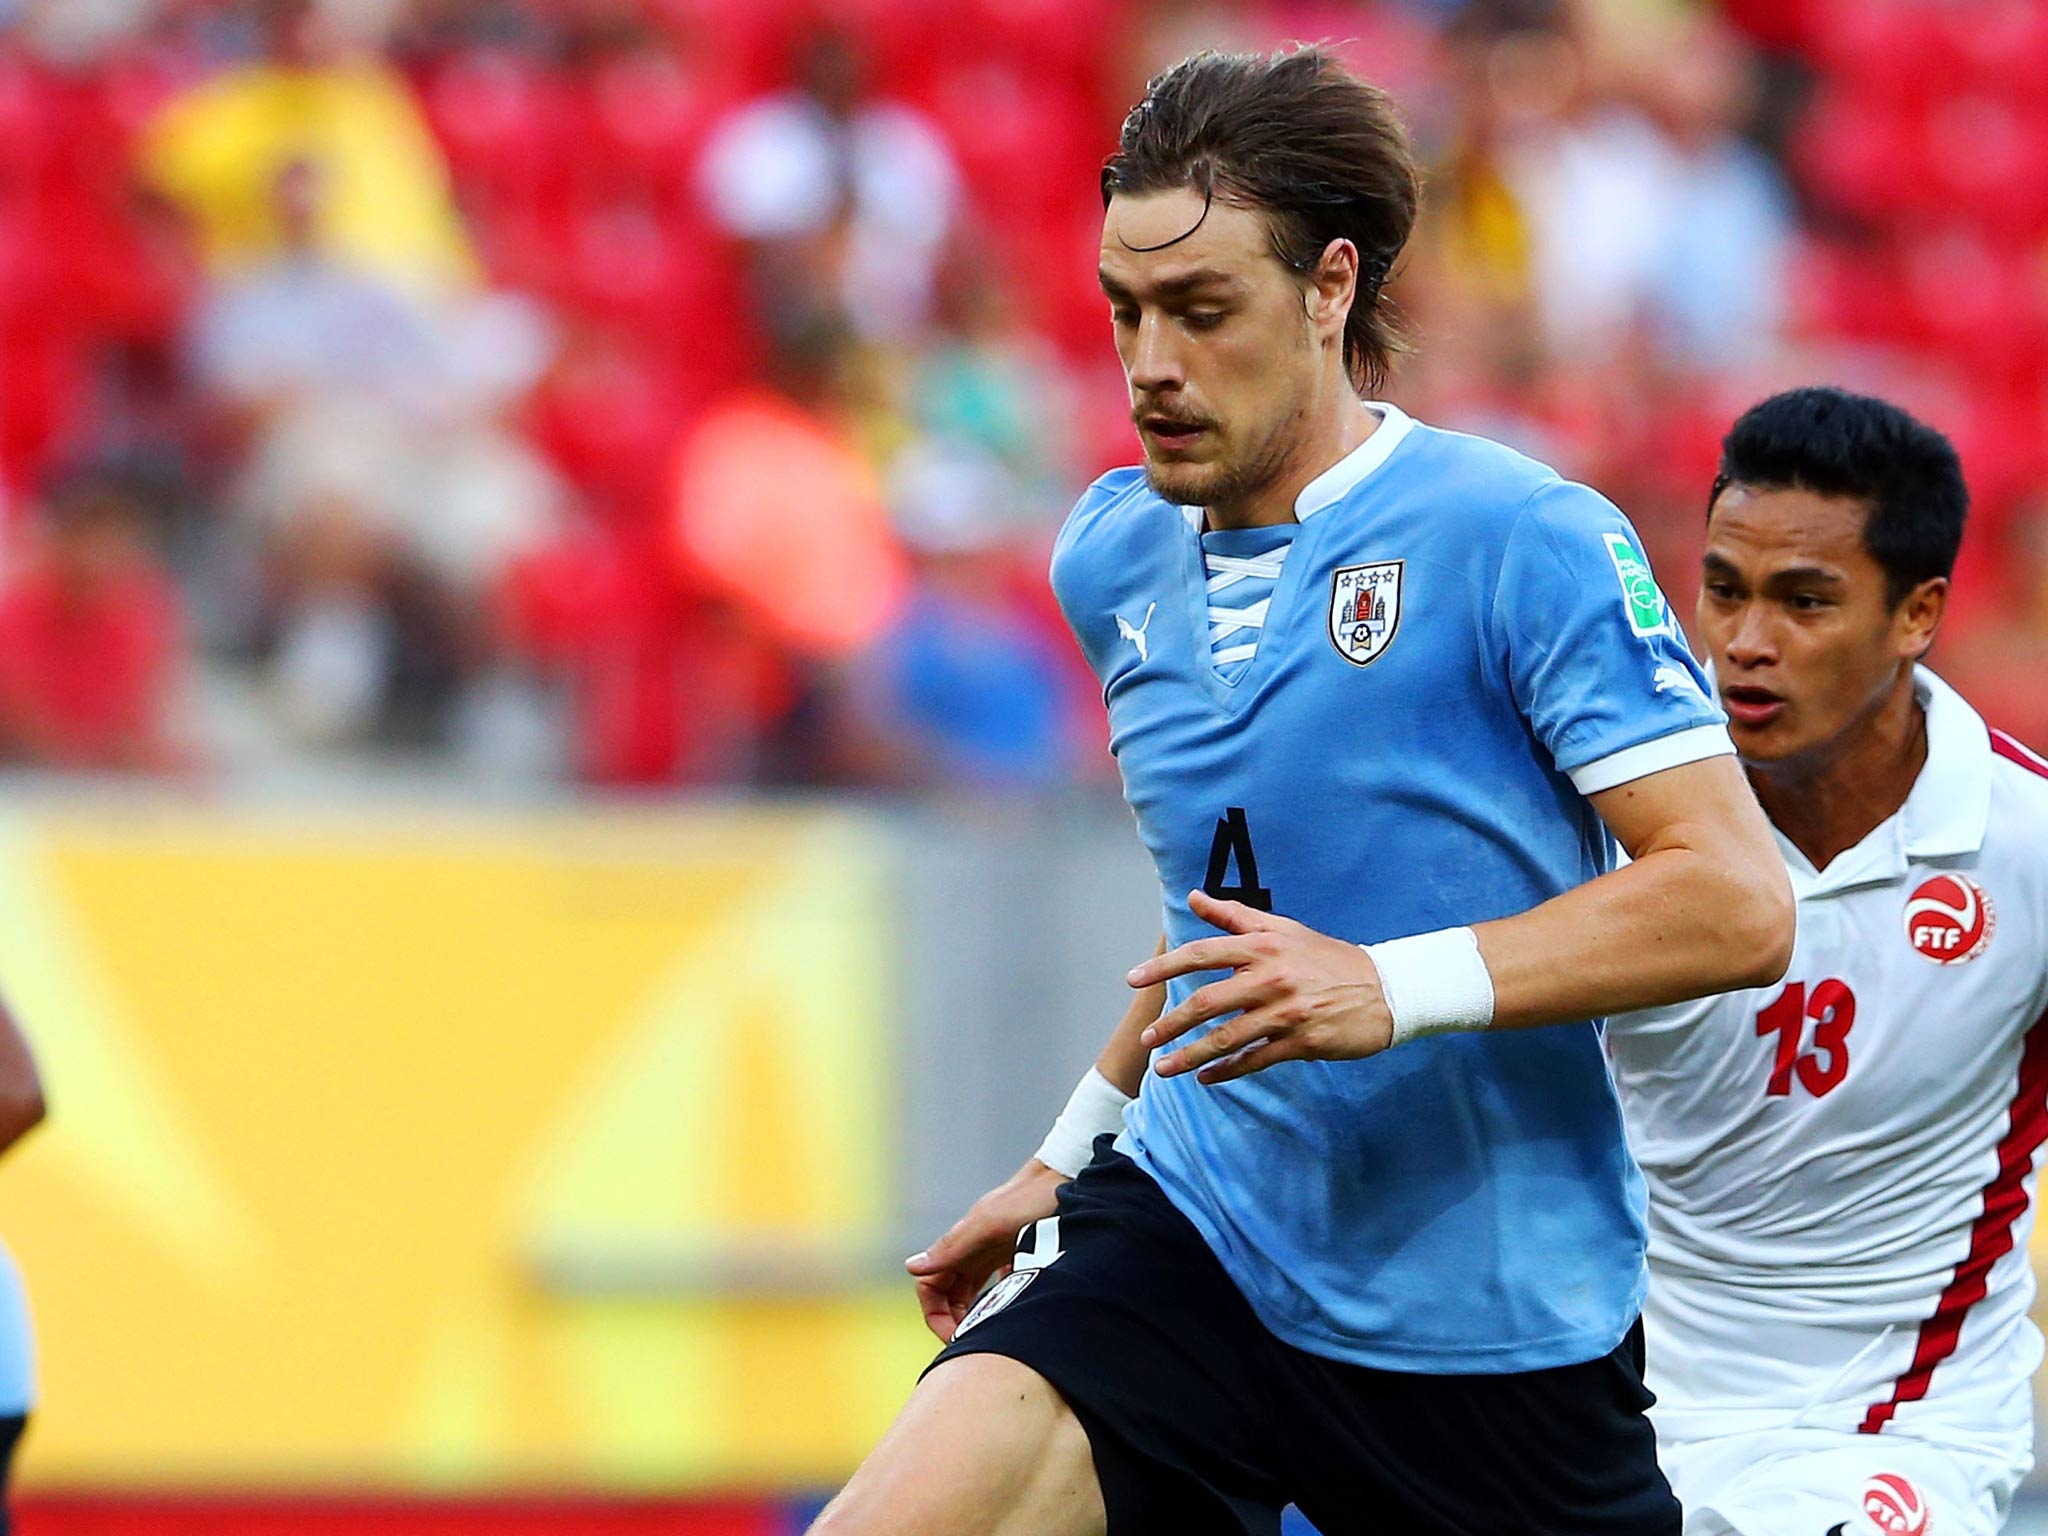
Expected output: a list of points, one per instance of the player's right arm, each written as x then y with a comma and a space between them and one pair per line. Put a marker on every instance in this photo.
1592, 661
21, 1087
952, 1272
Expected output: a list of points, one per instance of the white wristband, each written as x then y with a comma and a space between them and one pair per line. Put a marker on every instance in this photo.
1434, 983
1096, 1109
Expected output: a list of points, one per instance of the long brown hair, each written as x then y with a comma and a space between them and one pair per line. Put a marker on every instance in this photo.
1295, 134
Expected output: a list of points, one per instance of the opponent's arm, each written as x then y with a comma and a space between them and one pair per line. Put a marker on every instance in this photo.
1122, 1060
21, 1088
1705, 906
951, 1273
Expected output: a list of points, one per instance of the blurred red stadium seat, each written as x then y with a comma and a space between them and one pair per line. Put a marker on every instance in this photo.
1785, 26
2002, 46
1894, 50
1019, 142
1997, 433
666, 279
750, 41
608, 415
1983, 307
132, 88
554, 601
504, 122
1070, 40
1986, 162
644, 116
1847, 291
1860, 155
30, 123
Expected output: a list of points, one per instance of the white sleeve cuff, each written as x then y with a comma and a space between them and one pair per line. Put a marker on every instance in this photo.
1639, 762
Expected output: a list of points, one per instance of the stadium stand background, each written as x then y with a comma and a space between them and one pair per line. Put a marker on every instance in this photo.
446, 444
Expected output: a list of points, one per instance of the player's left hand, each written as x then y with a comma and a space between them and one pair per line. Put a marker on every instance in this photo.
1298, 994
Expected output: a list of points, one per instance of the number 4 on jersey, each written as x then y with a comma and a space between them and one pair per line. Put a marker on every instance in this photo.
1233, 844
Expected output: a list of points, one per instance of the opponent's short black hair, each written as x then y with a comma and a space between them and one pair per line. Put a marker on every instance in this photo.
1297, 135
1834, 443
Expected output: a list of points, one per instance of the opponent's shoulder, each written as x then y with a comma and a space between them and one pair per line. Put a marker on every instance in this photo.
2019, 800
1116, 513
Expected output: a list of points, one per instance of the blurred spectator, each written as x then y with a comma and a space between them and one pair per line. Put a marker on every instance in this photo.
983, 379
299, 323
1718, 283
780, 530
1478, 235
777, 510
72, 31
964, 689
89, 637
381, 538
372, 546
218, 149
837, 192
1644, 206
369, 467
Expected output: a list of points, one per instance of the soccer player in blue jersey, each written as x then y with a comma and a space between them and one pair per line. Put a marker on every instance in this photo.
21, 1111
1384, 699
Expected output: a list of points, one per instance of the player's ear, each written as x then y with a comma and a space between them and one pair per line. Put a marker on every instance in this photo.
1332, 285
1919, 616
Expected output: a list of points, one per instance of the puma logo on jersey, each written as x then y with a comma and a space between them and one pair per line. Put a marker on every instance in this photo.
1670, 678
1136, 636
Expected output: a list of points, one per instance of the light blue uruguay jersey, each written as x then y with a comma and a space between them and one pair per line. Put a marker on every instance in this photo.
17, 1345
1461, 647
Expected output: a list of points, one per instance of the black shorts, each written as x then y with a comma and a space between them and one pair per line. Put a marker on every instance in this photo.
1202, 1423
11, 1426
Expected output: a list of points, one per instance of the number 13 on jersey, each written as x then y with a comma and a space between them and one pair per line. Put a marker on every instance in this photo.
1832, 1007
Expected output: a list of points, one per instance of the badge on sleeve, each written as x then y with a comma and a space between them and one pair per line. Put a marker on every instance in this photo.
1365, 609
1646, 611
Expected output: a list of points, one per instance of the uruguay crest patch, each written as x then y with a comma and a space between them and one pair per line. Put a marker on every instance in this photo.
1365, 609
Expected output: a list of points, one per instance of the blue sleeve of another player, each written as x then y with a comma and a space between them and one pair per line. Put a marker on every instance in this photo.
17, 1348
1597, 662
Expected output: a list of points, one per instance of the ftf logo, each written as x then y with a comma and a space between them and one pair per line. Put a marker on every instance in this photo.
1949, 919
1365, 609
1895, 1506
1646, 613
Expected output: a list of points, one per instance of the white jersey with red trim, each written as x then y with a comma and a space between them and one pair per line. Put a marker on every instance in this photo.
1842, 1165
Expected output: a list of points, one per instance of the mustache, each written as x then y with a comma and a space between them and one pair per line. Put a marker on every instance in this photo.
1169, 419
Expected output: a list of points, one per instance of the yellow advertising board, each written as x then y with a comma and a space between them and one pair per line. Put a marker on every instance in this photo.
455, 1150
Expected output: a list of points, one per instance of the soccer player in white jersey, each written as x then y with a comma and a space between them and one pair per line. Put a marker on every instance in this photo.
1383, 699
1842, 1165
